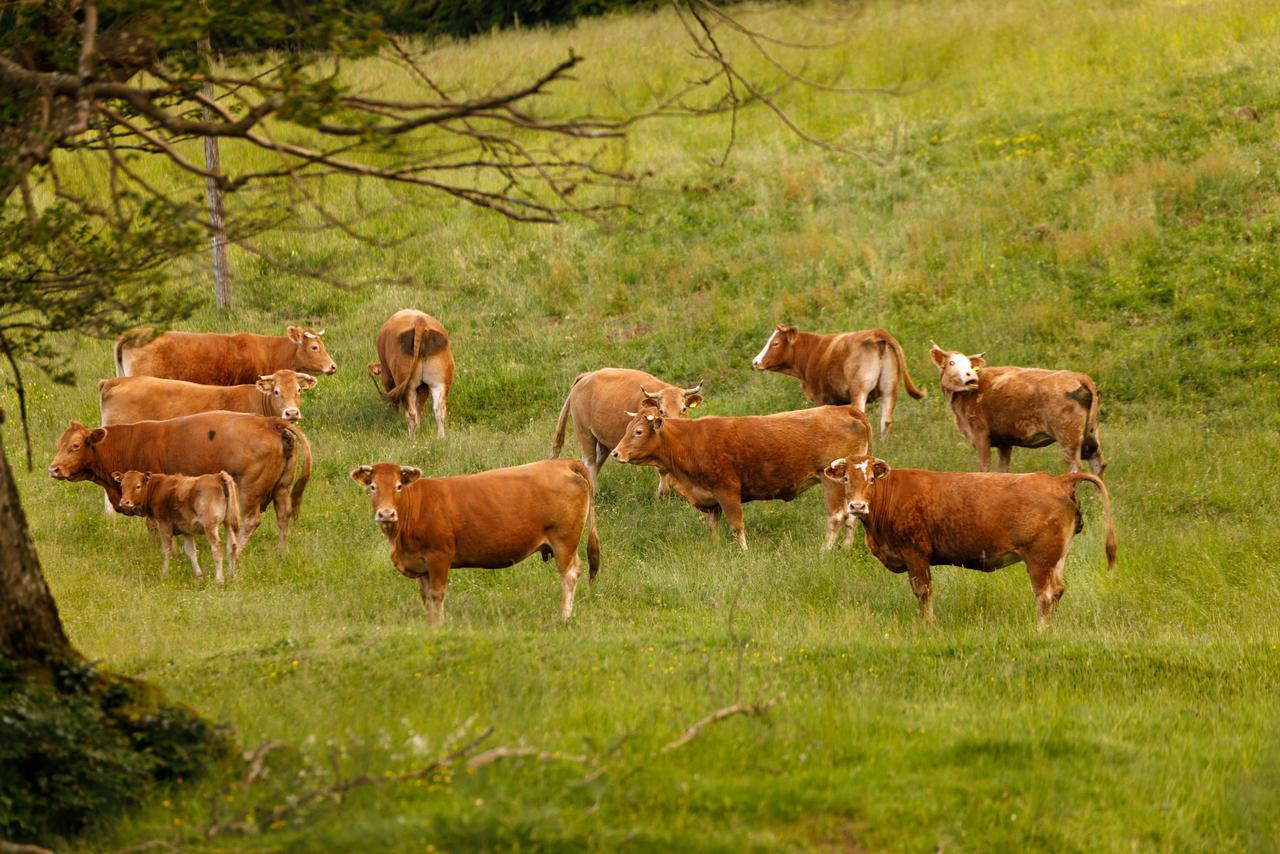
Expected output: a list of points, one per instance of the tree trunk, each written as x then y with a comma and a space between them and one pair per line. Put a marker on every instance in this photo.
29, 622
213, 162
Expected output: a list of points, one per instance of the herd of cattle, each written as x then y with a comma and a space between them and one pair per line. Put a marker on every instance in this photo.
199, 434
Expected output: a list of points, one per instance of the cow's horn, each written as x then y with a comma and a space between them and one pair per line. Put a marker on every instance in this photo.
695, 390
310, 335
652, 395
632, 414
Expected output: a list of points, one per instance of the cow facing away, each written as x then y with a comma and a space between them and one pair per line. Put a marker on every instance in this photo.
125, 400
601, 403
718, 463
488, 520
187, 506
216, 359
262, 455
1004, 408
414, 361
848, 367
917, 519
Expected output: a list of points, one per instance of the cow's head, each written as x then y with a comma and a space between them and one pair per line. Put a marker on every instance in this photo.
310, 353
673, 402
859, 475
74, 458
283, 390
959, 372
384, 482
779, 350
134, 487
640, 440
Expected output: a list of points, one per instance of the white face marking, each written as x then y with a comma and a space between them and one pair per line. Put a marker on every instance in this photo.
760, 356
862, 466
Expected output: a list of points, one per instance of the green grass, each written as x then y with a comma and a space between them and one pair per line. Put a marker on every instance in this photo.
1065, 186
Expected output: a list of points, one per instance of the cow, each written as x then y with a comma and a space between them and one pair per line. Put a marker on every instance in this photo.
188, 506
488, 520
1010, 407
916, 519
216, 359
600, 401
414, 360
718, 463
125, 400
848, 367
260, 453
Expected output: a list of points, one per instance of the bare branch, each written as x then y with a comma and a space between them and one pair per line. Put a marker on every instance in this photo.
749, 709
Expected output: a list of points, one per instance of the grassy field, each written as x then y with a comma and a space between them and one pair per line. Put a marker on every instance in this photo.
1065, 185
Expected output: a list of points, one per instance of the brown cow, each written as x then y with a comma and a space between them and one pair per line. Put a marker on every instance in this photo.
258, 452
125, 400
1006, 408
916, 519
414, 360
848, 367
215, 359
718, 464
488, 520
187, 506
601, 402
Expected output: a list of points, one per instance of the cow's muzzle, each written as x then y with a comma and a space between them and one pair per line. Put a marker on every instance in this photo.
386, 515
56, 472
332, 369
291, 415
755, 363
861, 509
617, 456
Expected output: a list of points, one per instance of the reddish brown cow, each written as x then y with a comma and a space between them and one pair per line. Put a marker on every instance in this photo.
848, 367
718, 464
215, 359
601, 402
258, 452
1006, 408
414, 360
125, 400
488, 520
187, 506
917, 519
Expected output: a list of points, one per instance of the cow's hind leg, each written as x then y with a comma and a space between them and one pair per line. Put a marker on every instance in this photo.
888, 400
731, 504
284, 509
189, 546
432, 587
921, 576
570, 566
439, 406
166, 549
1006, 455
412, 414
215, 543
837, 516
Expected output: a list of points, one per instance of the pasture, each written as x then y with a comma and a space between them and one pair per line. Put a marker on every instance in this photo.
1064, 185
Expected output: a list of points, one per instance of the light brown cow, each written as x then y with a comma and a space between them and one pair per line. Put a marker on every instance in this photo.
260, 453
488, 520
125, 400
187, 506
718, 464
848, 367
917, 519
414, 360
215, 359
1004, 408
601, 402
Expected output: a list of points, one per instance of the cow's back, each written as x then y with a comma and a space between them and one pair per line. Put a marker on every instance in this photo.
208, 358
602, 399
1017, 401
125, 400
205, 443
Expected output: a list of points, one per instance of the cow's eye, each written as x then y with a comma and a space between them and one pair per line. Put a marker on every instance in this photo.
276, 392
639, 431
399, 486
373, 487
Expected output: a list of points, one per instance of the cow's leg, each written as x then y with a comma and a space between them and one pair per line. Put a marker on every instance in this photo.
983, 446
731, 504
284, 509
1006, 454
888, 400
250, 519
166, 549
1071, 454
921, 577
411, 413
570, 568
850, 529
215, 543
712, 518
189, 546
233, 551
432, 589
664, 485
439, 406
1097, 462
833, 499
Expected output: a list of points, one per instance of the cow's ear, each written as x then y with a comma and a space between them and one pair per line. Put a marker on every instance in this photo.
938, 355
408, 474
693, 400
75, 425
146, 477
375, 369
977, 361
95, 436
295, 334
306, 381
266, 385
837, 470
789, 333
117, 476
880, 468
362, 474
657, 423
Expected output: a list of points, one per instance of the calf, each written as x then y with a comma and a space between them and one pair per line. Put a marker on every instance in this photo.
488, 520
125, 400
414, 360
718, 464
849, 367
215, 359
601, 401
187, 506
917, 519
1006, 408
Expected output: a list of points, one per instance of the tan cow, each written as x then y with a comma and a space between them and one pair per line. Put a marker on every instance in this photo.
718, 464
917, 519
216, 359
414, 360
848, 367
187, 506
125, 400
1004, 408
489, 520
260, 453
601, 402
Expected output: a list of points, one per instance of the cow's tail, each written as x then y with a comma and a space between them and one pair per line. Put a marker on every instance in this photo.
136, 337
593, 539
299, 483
557, 441
1089, 447
912, 390
232, 496
1076, 477
398, 391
